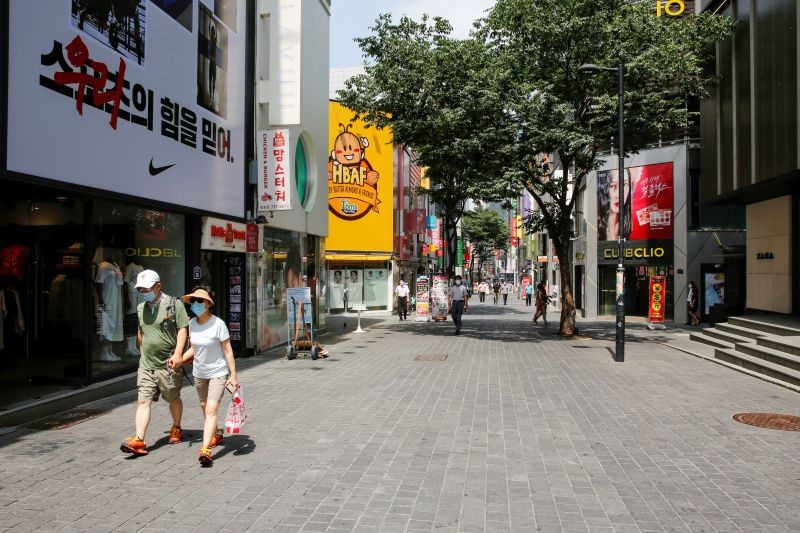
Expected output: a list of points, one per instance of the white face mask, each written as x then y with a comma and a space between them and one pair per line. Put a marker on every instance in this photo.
458, 282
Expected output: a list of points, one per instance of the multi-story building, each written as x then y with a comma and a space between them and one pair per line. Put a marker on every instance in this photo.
129, 143
751, 145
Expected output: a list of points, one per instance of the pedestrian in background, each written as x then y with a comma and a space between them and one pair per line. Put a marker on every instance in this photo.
692, 302
213, 368
401, 292
504, 290
162, 335
528, 294
457, 302
541, 305
483, 289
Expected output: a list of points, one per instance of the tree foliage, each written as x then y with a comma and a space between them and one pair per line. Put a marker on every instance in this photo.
486, 232
433, 93
550, 109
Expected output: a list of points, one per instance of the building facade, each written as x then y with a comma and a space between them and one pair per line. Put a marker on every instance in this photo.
129, 143
751, 145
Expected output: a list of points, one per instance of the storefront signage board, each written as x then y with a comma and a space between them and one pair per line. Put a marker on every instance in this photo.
275, 166
637, 253
222, 235
422, 308
439, 298
658, 299
360, 184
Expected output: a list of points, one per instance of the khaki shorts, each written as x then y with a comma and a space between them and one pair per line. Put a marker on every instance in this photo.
163, 381
210, 389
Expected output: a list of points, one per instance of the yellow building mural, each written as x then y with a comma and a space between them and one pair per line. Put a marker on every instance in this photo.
360, 185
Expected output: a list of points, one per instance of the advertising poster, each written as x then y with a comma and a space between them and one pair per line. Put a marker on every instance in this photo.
135, 97
336, 289
439, 298
714, 290
355, 292
422, 310
294, 298
235, 273
658, 299
646, 213
376, 287
360, 187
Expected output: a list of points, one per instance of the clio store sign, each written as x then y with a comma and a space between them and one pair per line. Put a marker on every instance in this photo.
223, 235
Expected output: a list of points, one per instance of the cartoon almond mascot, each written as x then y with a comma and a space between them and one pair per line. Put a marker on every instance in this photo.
352, 182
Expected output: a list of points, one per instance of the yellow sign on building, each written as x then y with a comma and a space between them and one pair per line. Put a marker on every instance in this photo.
360, 185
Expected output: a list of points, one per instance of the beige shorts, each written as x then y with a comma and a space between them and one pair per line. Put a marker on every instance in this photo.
210, 389
163, 381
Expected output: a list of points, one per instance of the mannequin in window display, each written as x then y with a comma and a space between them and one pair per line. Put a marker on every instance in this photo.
130, 322
108, 290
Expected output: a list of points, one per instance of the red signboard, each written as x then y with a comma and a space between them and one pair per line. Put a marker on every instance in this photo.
514, 241
658, 299
252, 238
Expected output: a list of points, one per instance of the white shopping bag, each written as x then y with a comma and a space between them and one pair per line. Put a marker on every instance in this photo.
236, 416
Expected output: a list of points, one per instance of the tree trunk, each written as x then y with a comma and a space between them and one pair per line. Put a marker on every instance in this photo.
567, 325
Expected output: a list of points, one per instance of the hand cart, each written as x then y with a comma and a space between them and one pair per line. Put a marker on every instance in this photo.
303, 342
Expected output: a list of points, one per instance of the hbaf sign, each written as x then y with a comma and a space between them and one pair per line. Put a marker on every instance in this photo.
673, 8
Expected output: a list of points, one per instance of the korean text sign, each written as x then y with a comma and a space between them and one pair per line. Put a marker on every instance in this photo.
275, 170
145, 99
658, 299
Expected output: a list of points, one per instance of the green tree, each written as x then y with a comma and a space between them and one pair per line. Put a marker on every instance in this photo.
430, 90
486, 232
554, 119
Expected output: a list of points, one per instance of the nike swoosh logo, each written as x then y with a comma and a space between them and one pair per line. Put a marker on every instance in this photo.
155, 171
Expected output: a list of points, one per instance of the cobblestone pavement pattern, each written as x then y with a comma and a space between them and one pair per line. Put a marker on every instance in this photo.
515, 431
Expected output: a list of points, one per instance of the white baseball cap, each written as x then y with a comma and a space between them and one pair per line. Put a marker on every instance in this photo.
146, 279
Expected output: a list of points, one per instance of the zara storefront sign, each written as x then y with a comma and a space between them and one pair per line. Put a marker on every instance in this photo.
146, 101
223, 235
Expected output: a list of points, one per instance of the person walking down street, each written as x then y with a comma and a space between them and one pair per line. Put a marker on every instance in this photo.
457, 302
504, 290
528, 294
214, 367
162, 334
401, 292
483, 289
496, 290
692, 303
541, 305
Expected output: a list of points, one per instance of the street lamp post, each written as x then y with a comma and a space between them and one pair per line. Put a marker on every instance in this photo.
619, 354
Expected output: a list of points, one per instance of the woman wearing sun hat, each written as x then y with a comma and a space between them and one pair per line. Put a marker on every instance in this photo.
214, 366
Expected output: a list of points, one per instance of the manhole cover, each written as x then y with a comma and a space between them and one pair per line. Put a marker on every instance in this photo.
770, 421
66, 419
431, 357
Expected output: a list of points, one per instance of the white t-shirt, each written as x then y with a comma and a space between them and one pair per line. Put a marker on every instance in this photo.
402, 291
206, 339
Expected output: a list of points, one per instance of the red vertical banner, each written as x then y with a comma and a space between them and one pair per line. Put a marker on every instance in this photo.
658, 299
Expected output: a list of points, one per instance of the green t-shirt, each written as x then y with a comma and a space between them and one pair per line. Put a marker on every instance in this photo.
160, 331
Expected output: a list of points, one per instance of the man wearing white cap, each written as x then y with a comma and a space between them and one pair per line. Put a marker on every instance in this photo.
163, 330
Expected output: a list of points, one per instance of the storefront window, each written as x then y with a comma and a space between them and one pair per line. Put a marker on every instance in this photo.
127, 241
43, 294
352, 284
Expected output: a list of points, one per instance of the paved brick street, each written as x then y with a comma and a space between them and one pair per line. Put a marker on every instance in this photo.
514, 431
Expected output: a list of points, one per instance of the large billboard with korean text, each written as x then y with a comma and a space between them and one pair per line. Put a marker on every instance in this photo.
138, 97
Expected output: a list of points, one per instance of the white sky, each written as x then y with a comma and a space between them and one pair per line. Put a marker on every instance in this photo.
352, 18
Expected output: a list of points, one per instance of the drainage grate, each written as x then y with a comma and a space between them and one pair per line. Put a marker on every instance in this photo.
66, 419
770, 421
431, 357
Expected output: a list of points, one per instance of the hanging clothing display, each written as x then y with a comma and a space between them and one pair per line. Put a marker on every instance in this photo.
134, 296
109, 277
65, 303
14, 261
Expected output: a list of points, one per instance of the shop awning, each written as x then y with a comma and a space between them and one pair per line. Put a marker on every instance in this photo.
358, 257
